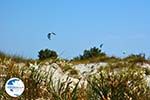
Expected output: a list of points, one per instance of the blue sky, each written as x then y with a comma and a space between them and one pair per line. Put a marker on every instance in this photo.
122, 25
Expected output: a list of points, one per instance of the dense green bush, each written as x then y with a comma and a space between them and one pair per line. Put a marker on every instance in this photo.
44, 54
92, 52
136, 58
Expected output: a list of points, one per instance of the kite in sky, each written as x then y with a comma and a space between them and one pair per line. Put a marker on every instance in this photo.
49, 35
101, 45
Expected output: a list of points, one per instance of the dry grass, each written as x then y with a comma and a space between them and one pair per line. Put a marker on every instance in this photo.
127, 83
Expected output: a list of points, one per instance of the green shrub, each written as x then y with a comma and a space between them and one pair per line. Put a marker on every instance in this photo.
44, 54
92, 52
136, 58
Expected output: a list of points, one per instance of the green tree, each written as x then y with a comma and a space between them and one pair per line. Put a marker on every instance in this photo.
44, 54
